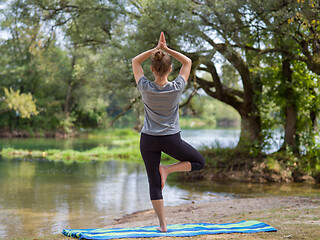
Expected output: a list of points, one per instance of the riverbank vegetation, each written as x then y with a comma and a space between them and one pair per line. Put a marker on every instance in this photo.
235, 164
66, 66
222, 163
118, 144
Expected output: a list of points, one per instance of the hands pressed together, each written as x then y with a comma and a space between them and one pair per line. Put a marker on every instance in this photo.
162, 42
184, 60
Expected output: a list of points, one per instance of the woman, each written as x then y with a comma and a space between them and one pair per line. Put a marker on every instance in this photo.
161, 130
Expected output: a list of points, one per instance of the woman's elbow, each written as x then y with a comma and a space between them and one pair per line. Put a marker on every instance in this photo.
188, 62
135, 63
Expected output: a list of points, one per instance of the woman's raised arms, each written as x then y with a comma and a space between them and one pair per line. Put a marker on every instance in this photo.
136, 64
138, 60
185, 61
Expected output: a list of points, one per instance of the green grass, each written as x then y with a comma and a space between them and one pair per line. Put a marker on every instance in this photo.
124, 145
130, 153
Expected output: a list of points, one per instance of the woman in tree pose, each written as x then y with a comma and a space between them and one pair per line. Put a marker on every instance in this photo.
161, 130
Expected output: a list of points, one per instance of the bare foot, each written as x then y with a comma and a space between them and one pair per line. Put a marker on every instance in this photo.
162, 229
164, 175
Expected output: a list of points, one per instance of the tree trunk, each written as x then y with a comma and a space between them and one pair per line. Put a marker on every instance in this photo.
314, 110
66, 107
290, 110
67, 99
313, 117
245, 101
290, 126
250, 131
250, 135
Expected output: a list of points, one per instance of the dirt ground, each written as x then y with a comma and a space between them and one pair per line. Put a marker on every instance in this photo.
293, 217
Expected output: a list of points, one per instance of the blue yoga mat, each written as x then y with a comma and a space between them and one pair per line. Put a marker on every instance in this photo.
174, 230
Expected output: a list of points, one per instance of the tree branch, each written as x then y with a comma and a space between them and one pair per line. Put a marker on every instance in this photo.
272, 50
232, 91
126, 109
189, 98
236, 60
225, 88
215, 77
227, 98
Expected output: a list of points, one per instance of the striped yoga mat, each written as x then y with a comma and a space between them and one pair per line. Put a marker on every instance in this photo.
175, 230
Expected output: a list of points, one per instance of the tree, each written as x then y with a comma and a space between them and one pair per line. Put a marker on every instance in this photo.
202, 23
250, 36
61, 80
23, 104
295, 32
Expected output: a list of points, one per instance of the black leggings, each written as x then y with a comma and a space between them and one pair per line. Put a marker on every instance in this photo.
151, 148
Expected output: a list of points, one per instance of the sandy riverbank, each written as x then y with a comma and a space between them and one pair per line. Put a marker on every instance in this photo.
215, 211
294, 217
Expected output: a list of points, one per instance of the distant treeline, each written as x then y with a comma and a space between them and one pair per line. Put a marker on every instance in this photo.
66, 65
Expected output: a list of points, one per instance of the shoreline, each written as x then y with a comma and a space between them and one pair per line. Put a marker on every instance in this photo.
293, 217
200, 212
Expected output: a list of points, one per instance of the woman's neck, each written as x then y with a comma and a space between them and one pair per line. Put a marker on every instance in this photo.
161, 81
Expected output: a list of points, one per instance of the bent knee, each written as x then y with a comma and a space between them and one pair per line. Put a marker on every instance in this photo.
198, 165
203, 163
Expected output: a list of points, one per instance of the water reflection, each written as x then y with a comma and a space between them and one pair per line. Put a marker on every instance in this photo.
40, 197
227, 138
197, 138
79, 144
208, 137
243, 190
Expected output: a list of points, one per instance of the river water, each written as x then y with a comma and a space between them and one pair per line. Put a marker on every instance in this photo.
39, 197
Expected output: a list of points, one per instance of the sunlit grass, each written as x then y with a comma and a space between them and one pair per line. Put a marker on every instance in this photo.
130, 153
123, 145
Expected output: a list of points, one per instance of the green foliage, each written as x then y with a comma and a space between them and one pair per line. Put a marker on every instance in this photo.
230, 77
223, 111
22, 104
305, 89
205, 112
124, 145
98, 154
197, 123
310, 161
63, 79
114, 133
272, 164
74, 59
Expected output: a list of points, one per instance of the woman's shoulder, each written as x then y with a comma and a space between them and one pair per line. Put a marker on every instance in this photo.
142, 82
143, 79
180, 81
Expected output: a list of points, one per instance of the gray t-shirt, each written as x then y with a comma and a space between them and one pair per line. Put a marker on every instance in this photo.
161, 106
